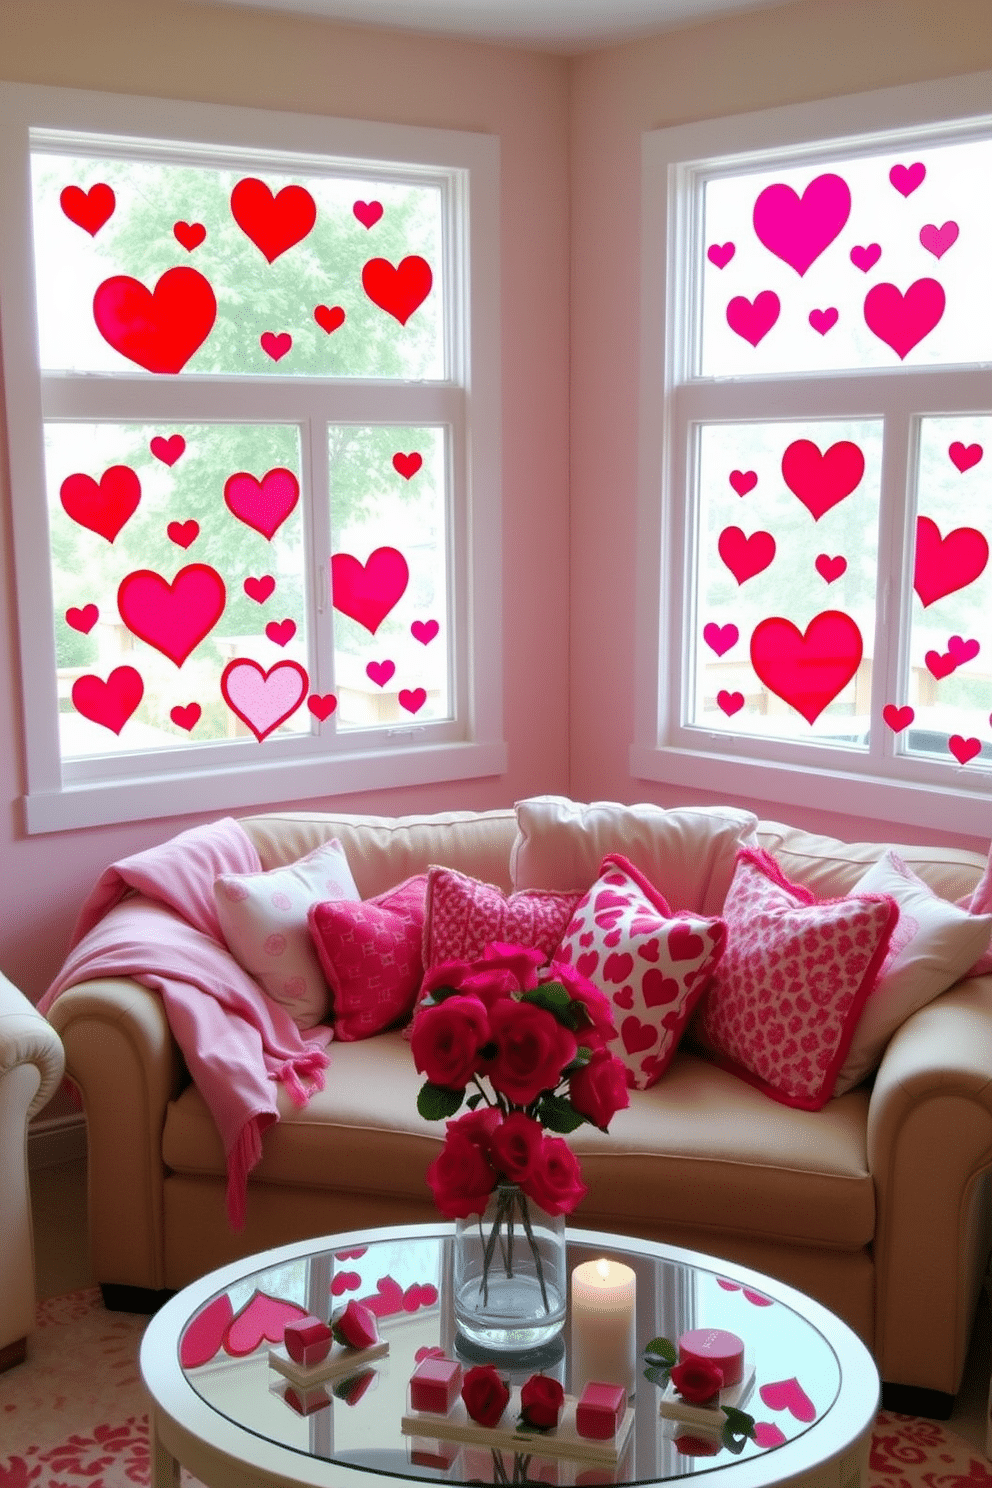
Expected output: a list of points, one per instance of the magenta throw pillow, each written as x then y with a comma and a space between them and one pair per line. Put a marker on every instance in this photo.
370, 953
465, 915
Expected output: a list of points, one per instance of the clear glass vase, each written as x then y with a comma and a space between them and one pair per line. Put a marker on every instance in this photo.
509, 1280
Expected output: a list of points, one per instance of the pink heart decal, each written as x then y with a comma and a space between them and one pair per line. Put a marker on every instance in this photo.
964, 456
963, 650
263, 700
937, 240
275, 346
720, 254
720, 638
109, 703
962, 749
157, 329
368, 213
367, 592
906, 178
788, 1395
168, 450
345, 1281
259, 589
351, 1255
189, 234
606, 899
902, 321
728, 1286
281, 631
657, 989
807, 669
743, 481
329, 317
767, 1434
756, 1299
174, 618
823, 320
83, 619
830, 568
412, 699
729, 702
753, 320
183, 534
684, 944
186, 718
745, 556
387, 1298
102, 508
273, 223
624, 998
262, 505
380, 672
650, 950
322, 705
898, 718
88, 209
821, 481
407, 465
946, 564
797, 229
400, 290
203, 1336
866, 257
940, 666
424, 631
636, 1035
263, 1319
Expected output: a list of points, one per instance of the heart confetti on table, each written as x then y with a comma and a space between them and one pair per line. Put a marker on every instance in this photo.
204, 1334
263, 1319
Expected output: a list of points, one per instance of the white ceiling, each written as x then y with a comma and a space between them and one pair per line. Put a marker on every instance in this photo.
567, 26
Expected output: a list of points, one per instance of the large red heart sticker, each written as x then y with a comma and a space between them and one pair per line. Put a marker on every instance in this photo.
797, 229
109, 703
367, 592
274, 223
88, 209
745, 556
944, 564
821, 480
400, 290
807, 669
158, 329
263, 699
903, 320
174, 618
103, 508
262, 504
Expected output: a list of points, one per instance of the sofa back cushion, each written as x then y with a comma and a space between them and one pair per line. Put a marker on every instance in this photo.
831, 868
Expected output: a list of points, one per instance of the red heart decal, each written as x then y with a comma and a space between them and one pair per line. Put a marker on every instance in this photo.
263, 1319
637, 1035
368, 213
898, 718
274, 223
204, 1334
820, 481
753, 320
797, 229
412, 699
102, 508
380, 672
263, 505
756, 1299
183, 534
865, 257
945, 564
322, 705
788, 1395
720, 638
903, 320
937, 240
387, 1298
728, 1286
624, 998
657, 989
189, 234
281, 631
168, 450
823, 320
720, 254
407, 465
745, 556
351, 1255
83, 619
906, 178
158, 329
962, 749
329, 317
964, 456
684, 944
400, 290
109, 703
424, 631
263, 700
88, 209
940, 666
259, 589
345, 1281
729, 702
830, 568
174, 618
367, 592
275, 346
962, 650
807, 669
186, 718
743, 481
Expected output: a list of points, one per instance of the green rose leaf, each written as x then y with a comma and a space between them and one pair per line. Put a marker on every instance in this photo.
554, 999
661, 1351
657, 1374
436, 1102
736, 1430
558, 1114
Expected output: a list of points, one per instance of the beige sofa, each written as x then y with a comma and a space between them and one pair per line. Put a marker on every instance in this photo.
878, 1204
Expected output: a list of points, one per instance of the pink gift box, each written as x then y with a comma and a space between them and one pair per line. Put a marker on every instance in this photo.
600, 1411
434, 1385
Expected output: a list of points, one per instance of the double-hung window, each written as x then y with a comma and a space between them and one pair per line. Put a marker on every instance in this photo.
252, 388
815, 585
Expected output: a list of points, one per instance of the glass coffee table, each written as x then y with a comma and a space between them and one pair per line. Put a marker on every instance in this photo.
221, 1410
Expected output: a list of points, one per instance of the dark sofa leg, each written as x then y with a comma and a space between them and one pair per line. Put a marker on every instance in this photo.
120, 1298
13, 1353
914, 1400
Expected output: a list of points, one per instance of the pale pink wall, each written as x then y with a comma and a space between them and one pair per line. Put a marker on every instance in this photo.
227, 55
759, 60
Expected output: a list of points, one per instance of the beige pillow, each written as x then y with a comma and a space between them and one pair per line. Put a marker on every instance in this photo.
688, 853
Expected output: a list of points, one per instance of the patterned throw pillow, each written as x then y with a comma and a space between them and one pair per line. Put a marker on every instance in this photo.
653, 966
464, 916
264, 920
782, 1008
370, 953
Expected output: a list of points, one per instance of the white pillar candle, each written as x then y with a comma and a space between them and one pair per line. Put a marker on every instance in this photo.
604, 1335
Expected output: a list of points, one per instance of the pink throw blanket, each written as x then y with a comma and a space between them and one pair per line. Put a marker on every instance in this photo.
238, 1045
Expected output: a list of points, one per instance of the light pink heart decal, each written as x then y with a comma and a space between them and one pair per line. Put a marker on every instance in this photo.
259, 589
157, 329
720, 254
380, 672
412, 699
720, 638
830, 568
263, 700
367, 592
937, 240
189, 234
898, 718
168, 450
263, 1319
183, 534
807, 669
940, 666
823, 320
906, 178
797, 229
281, 631
745, 556
84, 619
400, 290
962, 650
322, 705
109, 703
424, 631
275, 345
866, 256
962, 749
186, 718
964, 456
945, 564
821, 480
273, 223
788, 1395
88, 209
174, 618
767, 1434
407, 465
102, 508
203, 1336
368, 213
743, 481
753, 320
329, 317
729, 702
263, 505
903, 320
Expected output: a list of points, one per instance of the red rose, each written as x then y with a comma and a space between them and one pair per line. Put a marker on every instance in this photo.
599, 1089
697, 1380
356, 1326
541, 1400
446, 1040
532, 1049
485, 1394
479, 1126
555, 1181
516, 1145
520, 961
460, 1178
596, 1004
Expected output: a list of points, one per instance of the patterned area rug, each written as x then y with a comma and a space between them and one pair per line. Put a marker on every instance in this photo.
75, 1413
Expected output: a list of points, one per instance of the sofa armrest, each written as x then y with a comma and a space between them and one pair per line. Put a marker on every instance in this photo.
930, 1154
121, 1054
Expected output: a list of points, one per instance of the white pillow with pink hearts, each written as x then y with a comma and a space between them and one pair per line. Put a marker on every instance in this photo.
652, 965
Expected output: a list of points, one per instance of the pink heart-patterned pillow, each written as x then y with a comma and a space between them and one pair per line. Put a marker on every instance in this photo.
370, 954
652, 965
464, 916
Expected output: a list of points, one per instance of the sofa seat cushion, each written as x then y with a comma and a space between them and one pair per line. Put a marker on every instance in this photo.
699, 1149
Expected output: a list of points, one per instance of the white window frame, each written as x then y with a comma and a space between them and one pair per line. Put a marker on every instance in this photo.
467, 402
880, 785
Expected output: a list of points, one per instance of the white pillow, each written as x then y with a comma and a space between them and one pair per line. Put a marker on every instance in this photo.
264, 920
932, 946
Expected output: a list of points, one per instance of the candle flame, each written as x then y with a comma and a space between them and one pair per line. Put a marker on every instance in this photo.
603, 1267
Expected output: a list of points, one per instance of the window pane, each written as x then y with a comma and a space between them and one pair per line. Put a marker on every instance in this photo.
156, 267
785, 573
389, 570
873, 261
177, 560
